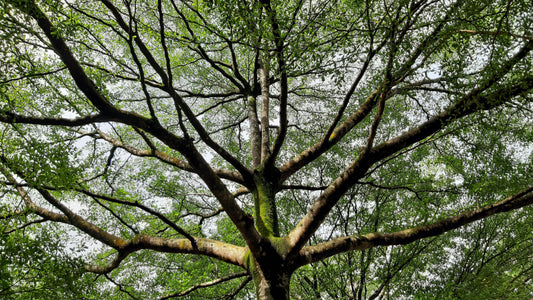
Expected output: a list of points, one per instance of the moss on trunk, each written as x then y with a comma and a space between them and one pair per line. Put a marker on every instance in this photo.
264, 193
270, 272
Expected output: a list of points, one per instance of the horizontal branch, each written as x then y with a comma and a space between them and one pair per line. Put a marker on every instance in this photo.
12, 118
25, 225
31, 75
205, 284
318, 252
212, 248
303, 187
222, 251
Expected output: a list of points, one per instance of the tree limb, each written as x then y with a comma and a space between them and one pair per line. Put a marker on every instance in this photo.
204, 284
470, 103
318, 252
12, 118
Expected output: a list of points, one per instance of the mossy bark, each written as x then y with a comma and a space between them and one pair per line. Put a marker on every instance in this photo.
268, 265
270, 271
264, 193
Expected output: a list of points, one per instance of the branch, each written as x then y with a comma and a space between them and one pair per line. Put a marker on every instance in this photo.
120, 287
265, 107
67, 215
84, 83
303, 187
178, 100
239, 288
280, 48
496, 33
255, 134
184, 146
146, 209
42, 212
25, 225
222, 251
470, 103
12, 118
36, 74
334, 136
324, 145
168, 159
109, 267
205, 284
343, 244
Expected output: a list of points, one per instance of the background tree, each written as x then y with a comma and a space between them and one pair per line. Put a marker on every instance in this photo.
283, 143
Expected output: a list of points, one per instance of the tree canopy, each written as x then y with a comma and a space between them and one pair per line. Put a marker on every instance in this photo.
274, 149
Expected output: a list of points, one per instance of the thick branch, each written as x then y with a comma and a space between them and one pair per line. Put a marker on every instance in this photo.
265, 108
339, 245
255, 134
322, 146
180, 103
225, 252
471, 103
84, 83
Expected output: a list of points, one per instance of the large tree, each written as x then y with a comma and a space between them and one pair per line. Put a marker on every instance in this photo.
359, 148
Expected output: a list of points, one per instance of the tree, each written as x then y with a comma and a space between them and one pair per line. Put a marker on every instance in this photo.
270, 140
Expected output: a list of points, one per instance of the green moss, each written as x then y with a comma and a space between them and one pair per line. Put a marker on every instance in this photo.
265, 204
280, 244
249, 263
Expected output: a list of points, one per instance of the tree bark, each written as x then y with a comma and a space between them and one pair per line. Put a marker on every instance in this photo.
270, 269
275, 287
264, 194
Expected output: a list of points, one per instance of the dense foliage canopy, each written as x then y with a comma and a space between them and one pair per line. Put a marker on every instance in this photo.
275, 149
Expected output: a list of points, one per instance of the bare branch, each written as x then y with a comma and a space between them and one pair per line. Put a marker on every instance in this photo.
26, 225
120, 287
219, 250
31, 75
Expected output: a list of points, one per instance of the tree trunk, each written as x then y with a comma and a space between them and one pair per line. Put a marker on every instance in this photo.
271, 280
273, 288
268, 265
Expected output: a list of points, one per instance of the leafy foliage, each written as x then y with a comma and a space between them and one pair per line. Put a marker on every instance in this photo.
155, 149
